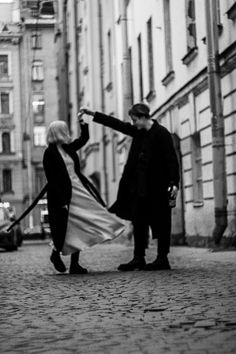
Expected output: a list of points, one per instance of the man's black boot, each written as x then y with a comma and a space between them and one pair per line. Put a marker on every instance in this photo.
136, 263
75, 267
57, 262
160, 263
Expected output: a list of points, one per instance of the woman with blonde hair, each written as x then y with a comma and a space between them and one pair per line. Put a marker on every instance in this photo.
77, 215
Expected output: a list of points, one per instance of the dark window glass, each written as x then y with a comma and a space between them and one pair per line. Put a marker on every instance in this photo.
6, 143
40, 180
4, 104
7, 180
140, 63
191, 25
3, 65
150, 55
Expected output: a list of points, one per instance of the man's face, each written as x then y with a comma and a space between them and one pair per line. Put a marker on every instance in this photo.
138, 122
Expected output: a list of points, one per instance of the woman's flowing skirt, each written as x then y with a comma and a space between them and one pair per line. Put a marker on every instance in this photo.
89, 223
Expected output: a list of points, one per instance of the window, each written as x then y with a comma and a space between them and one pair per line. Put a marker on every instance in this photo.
168, 42
109, 56
4, 103
37, 70
40, 179
150, 54
38, 105
218, 13
6, 143
191, 25
30, 3
3, 66
197, 168
7, 180
131, 75
114, 156
36, 40
39, 136
140, 64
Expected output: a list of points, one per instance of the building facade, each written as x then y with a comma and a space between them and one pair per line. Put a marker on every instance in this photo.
39, 88
11, 147
29, 78
129, 52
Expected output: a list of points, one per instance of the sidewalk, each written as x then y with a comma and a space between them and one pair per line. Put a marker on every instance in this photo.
189, 310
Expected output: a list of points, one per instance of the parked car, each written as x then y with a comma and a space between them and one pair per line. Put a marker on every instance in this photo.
39, 231
45, 228
11, 240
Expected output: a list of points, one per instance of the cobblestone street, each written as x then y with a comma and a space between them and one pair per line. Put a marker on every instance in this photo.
191, 309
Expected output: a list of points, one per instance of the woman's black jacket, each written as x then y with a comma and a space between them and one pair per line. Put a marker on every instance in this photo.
59, 188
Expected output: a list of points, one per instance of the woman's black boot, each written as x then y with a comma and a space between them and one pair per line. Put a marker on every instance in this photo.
56, 260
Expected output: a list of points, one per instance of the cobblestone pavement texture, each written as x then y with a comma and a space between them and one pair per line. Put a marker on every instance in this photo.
188, 310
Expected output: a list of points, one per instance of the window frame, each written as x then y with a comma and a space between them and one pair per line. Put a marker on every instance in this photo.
168, 36
109, 52
7, 92
190, 25
37, 75
7, 180
140, 66
39, 136
36, 40
4, 75
150, 54
197, 177
7, 150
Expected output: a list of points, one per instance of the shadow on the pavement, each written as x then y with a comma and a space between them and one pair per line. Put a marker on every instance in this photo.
89, 274
6, 251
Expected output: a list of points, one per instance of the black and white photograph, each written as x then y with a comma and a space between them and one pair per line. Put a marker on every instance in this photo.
118, 176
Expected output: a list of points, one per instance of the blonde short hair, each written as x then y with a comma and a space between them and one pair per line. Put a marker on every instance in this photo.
58, 133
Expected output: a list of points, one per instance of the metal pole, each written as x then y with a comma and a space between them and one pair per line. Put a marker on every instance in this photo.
104, 137
217, 121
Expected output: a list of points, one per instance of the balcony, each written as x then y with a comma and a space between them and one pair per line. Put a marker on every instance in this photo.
6, 120
5, 78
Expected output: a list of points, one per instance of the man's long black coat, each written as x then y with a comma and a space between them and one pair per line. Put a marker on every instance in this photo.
59, 188
151, 167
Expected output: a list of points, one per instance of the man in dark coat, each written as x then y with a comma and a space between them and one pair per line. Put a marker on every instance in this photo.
151, 171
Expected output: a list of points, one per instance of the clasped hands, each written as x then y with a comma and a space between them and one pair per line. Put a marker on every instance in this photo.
84, 110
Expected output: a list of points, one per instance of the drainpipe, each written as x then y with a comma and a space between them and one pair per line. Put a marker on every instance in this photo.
26, 67
104, 136
217, 121
76, 57
65, 64
126, 61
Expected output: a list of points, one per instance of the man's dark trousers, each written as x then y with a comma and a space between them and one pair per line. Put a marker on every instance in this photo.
160, 223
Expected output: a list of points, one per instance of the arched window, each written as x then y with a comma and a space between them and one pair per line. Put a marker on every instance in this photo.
6, 143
